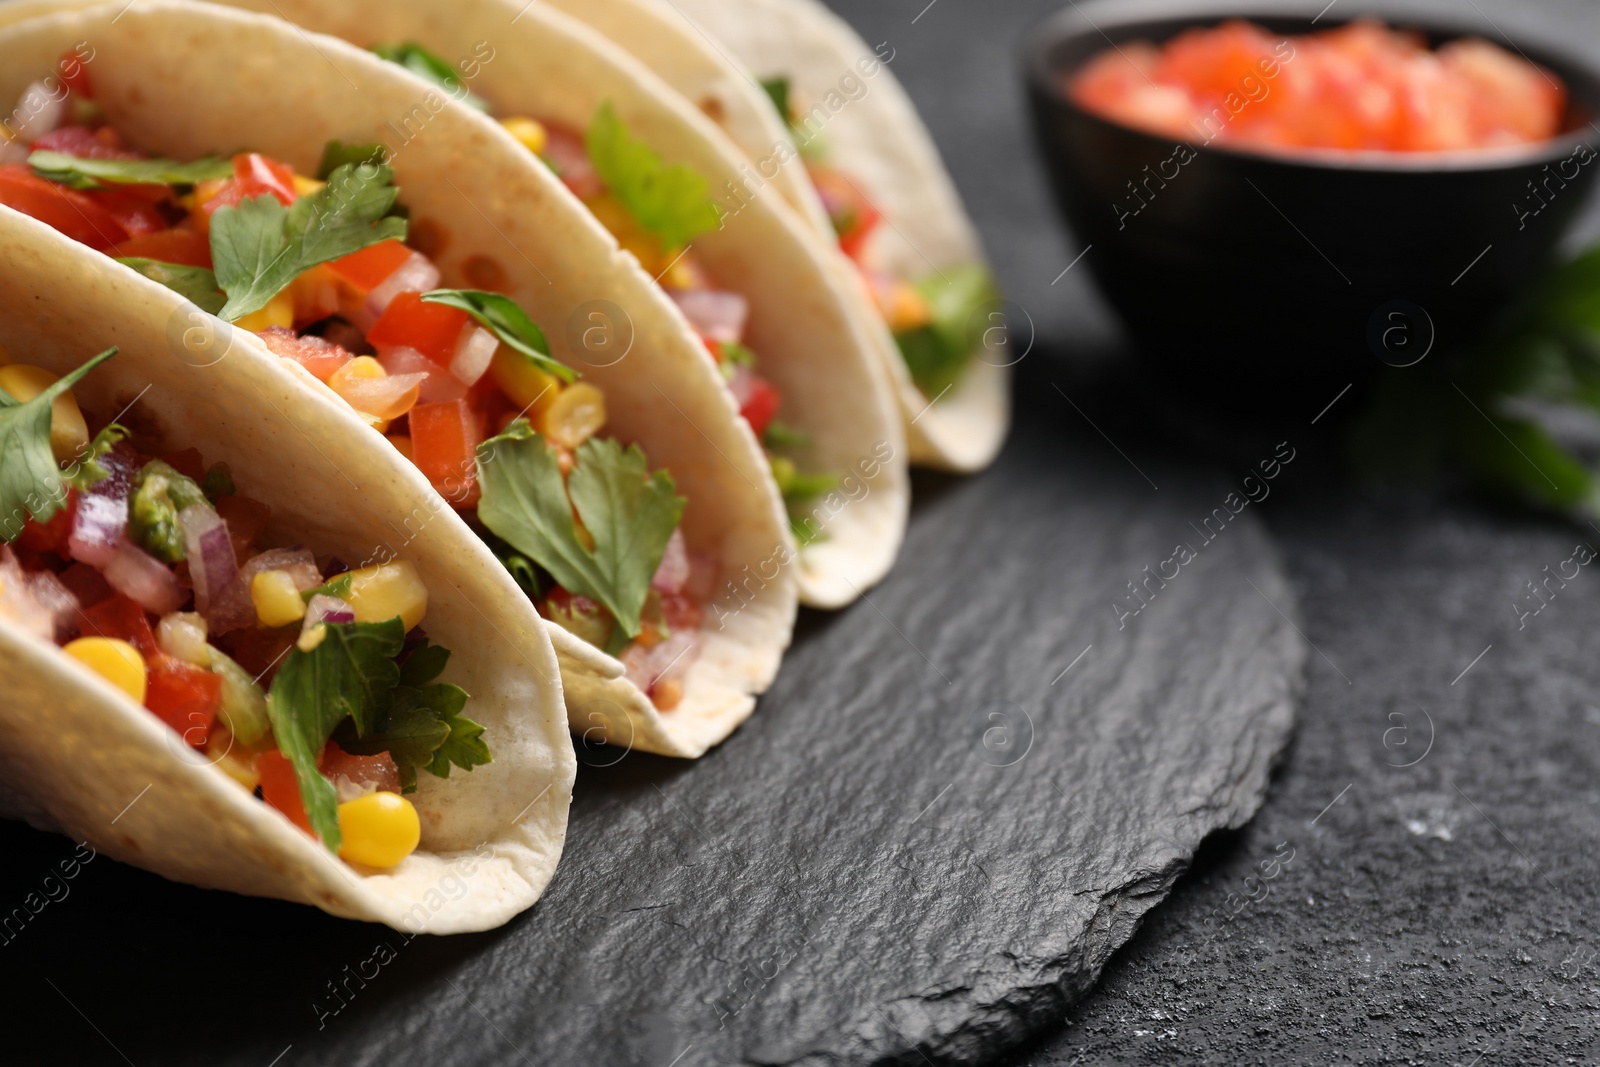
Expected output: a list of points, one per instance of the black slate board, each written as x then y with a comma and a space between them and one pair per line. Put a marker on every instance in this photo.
945, 816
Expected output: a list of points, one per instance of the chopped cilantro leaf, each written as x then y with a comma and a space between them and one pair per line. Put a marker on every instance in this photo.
777, 90
81, 173
673, 203
260, 246
431, 67
941, 350
31, 482
336, 154
509, 322
198, 285
629, 513
350, 674
781, 435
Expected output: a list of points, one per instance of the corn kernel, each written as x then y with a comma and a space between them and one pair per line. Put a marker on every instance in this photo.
523, 381
278, 312
229, 757
276, 598
680, 275
530, 132
116, 661
645, 246
310, 639
907, 309
304, 186
378, 830
575, 416
385, 590
69, 434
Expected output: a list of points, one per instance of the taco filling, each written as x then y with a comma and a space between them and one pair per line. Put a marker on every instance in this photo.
655, 211
460, 381
309, 683
931, 317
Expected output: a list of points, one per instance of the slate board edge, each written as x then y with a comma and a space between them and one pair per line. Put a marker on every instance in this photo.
986, 1030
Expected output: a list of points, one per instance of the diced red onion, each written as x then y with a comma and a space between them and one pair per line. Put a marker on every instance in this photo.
474, 349
233, 609
210, 551
102, 516
39, 111
714, 314
664, 661
703, 574
415, 275
56, 601
324, 608
674, 569
566, 150
437, 388
135, 573
18, 605
380, 397
740, 383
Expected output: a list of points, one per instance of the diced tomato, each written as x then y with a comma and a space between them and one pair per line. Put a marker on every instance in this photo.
681, 612
67, 210
51, 536
316, 354
183, 696
444, 439
189, 463
431, 329
368, 268
259, 651
120, 616
184, 247
135, 207
760, 403
280, 788
85, 143
853, 216
85, 583
253, 175
246, 518
378, 771
75, 72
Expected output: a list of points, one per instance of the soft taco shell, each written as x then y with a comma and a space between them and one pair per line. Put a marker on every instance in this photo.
803, 325
713, 52
187, 80
76, 754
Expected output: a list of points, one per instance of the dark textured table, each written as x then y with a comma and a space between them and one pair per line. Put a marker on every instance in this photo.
879, 870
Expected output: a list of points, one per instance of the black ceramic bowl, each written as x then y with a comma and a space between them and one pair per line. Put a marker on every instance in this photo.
1283, 278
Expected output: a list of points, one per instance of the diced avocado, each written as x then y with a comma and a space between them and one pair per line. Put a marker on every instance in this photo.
243, 708
939, 352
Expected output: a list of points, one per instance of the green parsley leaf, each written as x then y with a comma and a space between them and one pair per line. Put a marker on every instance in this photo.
430, 66
509, 322
674, 203
351, 674
260, 246
30, 479
198, 285
336, 154
88, 469
80, 173
777, 90
423, 726
781, 435
940, 351
629, 513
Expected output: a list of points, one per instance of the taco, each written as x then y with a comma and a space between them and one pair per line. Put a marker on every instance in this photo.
396, 251
788, 80
754, 285
215, 670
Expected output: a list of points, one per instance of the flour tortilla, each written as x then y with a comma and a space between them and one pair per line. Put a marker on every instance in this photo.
713, 52
76, 754
186, 80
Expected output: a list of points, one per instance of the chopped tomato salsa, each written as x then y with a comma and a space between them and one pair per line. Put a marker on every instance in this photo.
1359, 87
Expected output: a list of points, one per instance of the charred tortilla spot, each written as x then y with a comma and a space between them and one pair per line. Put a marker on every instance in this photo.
713, 108
484, 273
